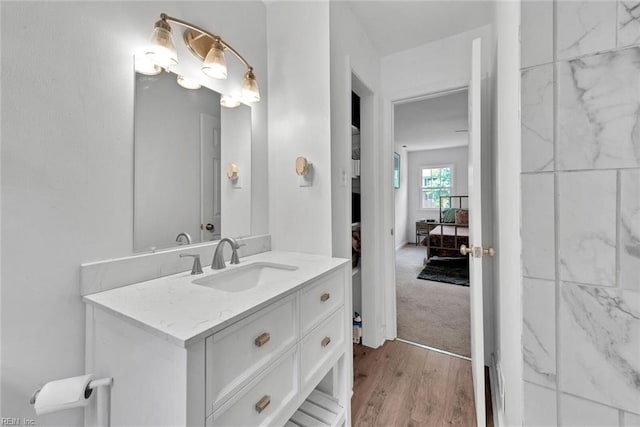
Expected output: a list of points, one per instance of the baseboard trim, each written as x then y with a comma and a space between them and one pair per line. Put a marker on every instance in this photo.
403, 244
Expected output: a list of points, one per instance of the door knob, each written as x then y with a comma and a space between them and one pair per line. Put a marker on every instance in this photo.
477, 251
489, 251
464, 250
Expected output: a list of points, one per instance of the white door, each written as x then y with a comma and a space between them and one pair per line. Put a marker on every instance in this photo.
475, 233
210, 174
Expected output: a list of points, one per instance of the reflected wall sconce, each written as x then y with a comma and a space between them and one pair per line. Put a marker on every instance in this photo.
188, 83
302, 166
208, 47
233, 172
229, 101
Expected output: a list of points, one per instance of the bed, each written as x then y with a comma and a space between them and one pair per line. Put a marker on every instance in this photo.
452, 230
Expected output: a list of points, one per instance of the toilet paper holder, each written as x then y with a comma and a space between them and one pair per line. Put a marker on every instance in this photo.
103, 411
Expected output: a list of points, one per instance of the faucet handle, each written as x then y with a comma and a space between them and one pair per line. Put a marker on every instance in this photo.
197, 267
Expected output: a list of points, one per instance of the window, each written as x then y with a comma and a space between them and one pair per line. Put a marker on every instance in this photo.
435, 182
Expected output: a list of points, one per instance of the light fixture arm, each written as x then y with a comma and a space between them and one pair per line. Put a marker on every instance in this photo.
167, 18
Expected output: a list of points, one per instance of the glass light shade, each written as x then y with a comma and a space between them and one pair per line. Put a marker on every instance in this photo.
188, 83
250, 91
214, 64
143, 65
229, 101
162, 51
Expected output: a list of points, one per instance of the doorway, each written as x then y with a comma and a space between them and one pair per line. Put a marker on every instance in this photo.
432, 276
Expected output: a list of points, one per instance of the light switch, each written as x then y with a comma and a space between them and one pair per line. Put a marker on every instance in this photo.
305, 180
236, 183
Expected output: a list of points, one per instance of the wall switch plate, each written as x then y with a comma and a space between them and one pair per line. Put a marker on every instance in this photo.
236, 183
344, 178
306, 180
303, 181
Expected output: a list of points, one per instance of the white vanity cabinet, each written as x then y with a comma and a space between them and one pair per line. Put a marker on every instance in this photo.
257, 368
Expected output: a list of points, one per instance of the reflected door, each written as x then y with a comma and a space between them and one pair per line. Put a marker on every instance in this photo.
210, 175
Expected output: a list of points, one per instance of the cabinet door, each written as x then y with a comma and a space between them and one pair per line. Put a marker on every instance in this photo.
321, 348
263, 400
235, 354
319, 299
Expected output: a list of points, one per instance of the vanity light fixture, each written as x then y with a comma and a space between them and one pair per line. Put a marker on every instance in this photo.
204, 45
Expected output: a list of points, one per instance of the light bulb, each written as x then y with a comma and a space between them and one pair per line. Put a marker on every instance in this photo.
229, 101
250, 91
214, 64
162, 51
188, 83
143, 65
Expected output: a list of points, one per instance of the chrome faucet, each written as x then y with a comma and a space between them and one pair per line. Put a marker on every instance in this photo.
218, 256
180, 238
197, 267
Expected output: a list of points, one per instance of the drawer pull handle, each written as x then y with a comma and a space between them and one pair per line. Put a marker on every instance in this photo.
324, 297
262, 339
263, 403
325, 341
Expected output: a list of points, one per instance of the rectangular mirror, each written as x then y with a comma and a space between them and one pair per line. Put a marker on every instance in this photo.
178, 153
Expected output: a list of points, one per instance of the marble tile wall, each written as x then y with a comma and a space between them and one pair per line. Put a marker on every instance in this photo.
538, 333
581, 212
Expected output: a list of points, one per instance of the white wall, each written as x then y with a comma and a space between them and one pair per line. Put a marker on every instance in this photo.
351, 52
457, 157
299, 125
432, 68
508, 245
237, 195
67, 157
355, 65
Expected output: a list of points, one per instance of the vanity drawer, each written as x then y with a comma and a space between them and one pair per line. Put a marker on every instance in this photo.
264, 399
235, 354
320, 299
321, 346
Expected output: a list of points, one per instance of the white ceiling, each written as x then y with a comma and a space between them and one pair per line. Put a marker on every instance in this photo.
398, 25
432, 123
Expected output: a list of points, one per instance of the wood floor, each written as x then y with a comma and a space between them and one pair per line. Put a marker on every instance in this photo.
400, 384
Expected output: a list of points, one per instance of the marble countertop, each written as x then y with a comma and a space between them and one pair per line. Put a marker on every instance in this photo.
181, 312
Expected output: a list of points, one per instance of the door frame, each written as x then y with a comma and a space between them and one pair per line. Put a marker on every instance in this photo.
371, 301
391, 306
487, 296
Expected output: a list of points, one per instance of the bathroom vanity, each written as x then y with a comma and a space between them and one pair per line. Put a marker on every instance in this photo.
254, 344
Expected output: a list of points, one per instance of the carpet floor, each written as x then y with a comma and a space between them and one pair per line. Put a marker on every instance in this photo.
430, 313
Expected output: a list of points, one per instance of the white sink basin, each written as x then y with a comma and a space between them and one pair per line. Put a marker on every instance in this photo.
248, 276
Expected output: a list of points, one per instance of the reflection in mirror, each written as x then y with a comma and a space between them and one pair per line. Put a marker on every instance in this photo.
177, 164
